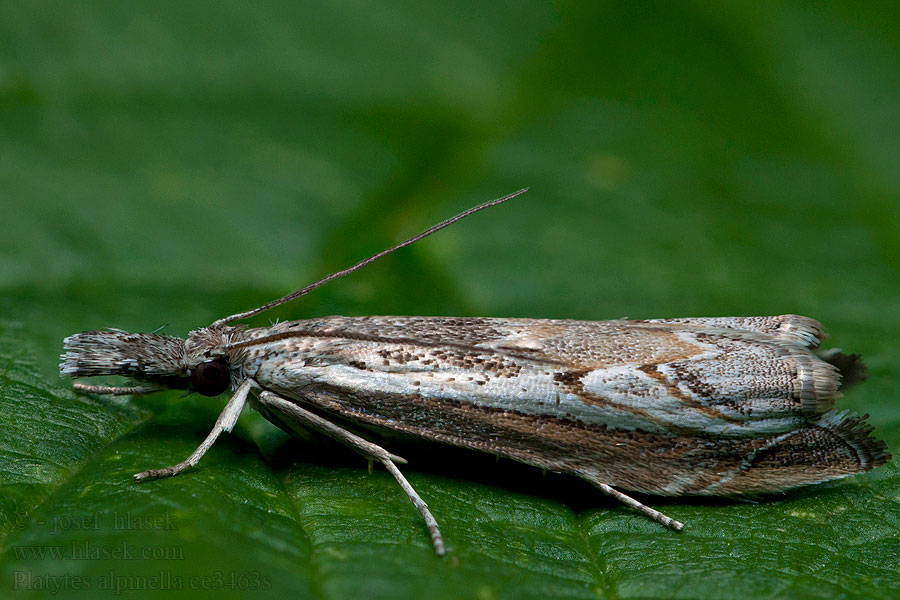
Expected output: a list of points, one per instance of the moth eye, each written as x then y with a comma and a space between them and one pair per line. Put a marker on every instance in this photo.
211, 378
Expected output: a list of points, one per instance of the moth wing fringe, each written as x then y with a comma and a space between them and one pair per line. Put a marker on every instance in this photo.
806, 330
856, 433
797, 330
819, 382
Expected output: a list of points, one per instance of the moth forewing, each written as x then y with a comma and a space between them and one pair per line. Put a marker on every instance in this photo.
633, 404
694, 406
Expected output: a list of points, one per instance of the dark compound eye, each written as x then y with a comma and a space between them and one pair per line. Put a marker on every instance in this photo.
211, 378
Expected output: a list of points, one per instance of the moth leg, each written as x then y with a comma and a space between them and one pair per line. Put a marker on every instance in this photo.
225, 422
653, 514
368, 449
115, 391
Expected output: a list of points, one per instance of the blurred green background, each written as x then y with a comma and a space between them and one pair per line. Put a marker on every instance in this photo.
170, 163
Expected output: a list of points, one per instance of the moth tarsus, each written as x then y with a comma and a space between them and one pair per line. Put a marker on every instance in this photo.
719, 406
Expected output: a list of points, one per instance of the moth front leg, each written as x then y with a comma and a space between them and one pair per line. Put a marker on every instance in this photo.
279, 405
225, 422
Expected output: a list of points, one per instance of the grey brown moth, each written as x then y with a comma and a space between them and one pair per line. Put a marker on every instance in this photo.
724, 406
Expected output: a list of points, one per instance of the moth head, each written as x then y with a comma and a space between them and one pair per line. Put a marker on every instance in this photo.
159, 359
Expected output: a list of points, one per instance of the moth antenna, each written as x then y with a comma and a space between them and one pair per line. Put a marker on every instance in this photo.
363, 263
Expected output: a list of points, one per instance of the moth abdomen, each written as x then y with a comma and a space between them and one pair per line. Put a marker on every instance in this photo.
850, 366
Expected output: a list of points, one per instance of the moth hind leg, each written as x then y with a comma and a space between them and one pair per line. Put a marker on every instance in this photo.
628, 500
276, 406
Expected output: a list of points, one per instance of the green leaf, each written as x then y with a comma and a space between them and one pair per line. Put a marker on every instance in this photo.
176, 163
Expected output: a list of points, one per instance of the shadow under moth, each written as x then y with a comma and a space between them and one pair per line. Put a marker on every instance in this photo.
722, 406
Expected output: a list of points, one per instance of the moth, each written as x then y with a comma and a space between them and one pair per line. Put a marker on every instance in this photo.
721, 406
